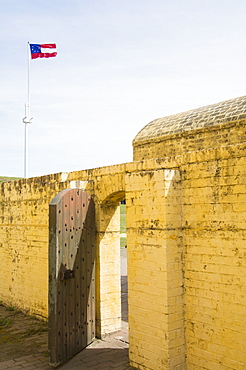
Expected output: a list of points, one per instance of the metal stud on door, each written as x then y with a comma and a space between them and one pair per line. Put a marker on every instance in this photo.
71, 274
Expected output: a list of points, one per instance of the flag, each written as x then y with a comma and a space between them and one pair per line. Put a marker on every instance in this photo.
43, 50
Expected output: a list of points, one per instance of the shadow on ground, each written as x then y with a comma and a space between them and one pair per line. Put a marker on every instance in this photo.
23, 340
21, 334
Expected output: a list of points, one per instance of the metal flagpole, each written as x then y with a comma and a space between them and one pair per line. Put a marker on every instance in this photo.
27, 119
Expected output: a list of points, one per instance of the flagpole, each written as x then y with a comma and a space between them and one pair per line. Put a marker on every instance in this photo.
27, 119
37, 51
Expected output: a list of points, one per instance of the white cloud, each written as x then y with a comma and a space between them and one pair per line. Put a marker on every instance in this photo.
120, 64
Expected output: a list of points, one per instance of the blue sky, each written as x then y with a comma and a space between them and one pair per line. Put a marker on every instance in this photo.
120, 64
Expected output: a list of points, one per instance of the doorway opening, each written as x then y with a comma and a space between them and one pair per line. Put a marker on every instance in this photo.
112, 296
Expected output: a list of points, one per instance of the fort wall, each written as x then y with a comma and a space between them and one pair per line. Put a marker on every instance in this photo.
186, 240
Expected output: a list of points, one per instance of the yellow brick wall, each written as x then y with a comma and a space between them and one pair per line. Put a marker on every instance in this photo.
24, 242
214, 241
214, 216
186, 247
155, 278
200, 139
108, 296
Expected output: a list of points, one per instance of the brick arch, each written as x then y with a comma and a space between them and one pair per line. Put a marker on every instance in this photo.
115, 197
110, 186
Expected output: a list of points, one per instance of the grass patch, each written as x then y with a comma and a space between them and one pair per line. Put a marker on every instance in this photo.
35, 330
5, 321
122, 218
5, 179
123, 242
122, 225
10, 308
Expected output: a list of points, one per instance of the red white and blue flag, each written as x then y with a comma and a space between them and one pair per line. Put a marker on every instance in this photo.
43, 50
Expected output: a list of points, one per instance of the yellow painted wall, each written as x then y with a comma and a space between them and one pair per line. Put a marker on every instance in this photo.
24, 241
214, 240
186, 229
155, 278
228, 133
214, 216
24, 237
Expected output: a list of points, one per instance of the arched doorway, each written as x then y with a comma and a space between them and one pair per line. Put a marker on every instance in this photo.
111, 265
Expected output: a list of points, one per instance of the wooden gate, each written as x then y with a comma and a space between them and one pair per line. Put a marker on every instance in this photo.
71, 274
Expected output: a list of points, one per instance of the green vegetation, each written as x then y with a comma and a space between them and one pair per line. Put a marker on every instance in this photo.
5, 179
5, 321
37, 329
10, 308
17, 327
123, 242
122, 218
123, 225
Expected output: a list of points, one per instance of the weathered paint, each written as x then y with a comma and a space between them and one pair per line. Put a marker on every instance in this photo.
186, 238
71, 274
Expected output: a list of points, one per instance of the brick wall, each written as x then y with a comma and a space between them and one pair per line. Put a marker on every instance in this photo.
24, 241
24, 237
214, 241
155, 275
186, 237
214, 205
188, 141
